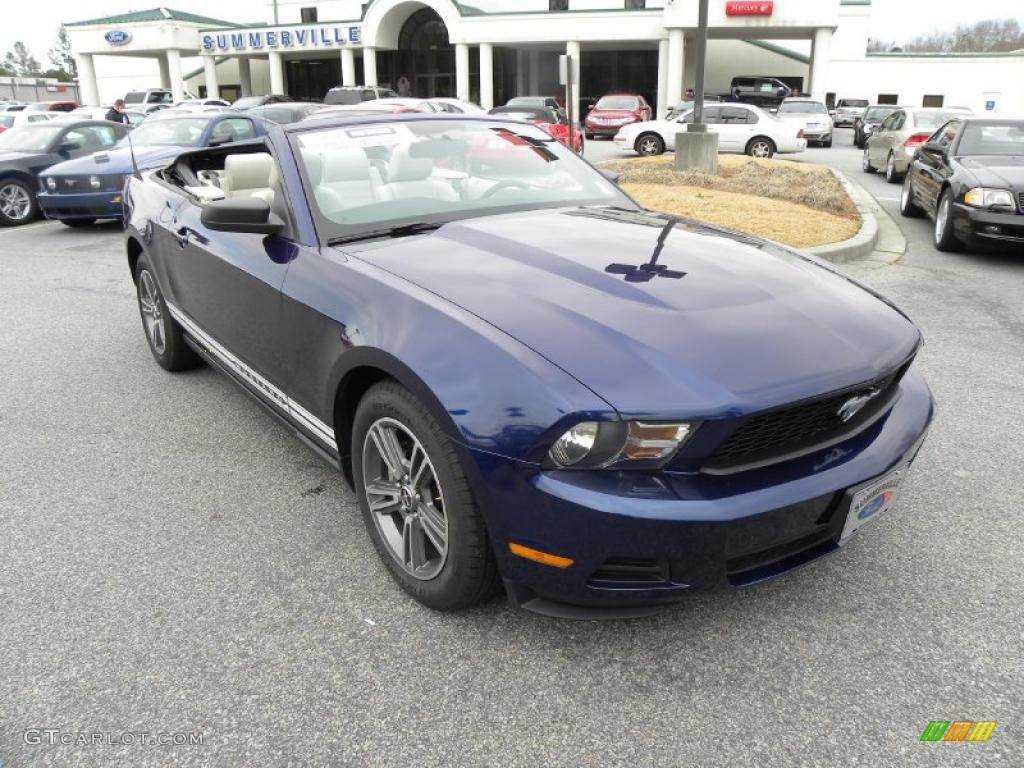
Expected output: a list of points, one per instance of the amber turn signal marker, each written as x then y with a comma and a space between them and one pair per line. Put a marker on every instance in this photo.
540, 557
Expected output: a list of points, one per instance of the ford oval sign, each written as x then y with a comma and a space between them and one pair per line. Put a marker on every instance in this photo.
117, 37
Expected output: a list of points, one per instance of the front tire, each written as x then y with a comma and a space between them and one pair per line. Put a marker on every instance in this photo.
649, 145
164, 335
891, 174
943, 235
865, 162
827, 144
908, 207
17, 203
760, 146
417, 503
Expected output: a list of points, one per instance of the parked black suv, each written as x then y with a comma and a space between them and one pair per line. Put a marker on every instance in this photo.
767, 92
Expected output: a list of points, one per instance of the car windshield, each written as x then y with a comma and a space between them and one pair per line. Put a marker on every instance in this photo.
802, 108
992, 139
617, 102
878, 114
29, 138
929, 121
171, 131
6, 120
374, 176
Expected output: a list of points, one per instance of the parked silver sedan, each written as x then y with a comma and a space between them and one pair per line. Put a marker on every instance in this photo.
892, 145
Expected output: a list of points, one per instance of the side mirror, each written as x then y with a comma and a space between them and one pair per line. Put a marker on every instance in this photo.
250, 215
67, 147
612, 176
932, 148
219, 140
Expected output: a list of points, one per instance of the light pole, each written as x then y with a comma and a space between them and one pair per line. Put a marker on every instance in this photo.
702, 47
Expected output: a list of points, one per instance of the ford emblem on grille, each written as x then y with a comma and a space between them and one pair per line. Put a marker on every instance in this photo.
853, 406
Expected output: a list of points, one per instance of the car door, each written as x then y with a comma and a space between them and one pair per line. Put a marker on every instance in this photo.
881, 141
228, 284
932, 164
734, 128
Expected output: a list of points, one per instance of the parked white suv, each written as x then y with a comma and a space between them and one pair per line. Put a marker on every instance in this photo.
741, 128
357, 94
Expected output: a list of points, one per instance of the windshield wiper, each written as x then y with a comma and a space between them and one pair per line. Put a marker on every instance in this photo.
403, 230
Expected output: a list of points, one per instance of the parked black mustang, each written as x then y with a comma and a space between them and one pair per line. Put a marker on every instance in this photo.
969, 178
26, 151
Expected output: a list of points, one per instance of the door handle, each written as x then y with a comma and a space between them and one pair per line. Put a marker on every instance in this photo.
182, 235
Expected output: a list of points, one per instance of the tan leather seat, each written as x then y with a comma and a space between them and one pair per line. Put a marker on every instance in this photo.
410, 176
250, 175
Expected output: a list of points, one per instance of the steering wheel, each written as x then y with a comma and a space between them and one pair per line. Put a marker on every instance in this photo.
507, 184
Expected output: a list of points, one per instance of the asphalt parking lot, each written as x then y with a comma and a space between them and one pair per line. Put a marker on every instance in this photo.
173, 561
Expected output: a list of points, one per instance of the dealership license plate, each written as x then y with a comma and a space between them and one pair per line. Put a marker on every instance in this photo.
871, 502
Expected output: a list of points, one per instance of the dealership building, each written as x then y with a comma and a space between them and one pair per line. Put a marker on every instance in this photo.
491, 50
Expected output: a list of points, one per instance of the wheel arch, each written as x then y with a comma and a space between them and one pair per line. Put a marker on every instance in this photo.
645, 134
21, 175
134, 251
359, 370
764, 137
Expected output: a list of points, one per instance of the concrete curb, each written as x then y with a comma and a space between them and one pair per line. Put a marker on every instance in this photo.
879, 238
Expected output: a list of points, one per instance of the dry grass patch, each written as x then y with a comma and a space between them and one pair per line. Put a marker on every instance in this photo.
779, 220
810, 185
795, 203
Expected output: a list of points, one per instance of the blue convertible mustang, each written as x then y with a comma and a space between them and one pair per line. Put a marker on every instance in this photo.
524, 375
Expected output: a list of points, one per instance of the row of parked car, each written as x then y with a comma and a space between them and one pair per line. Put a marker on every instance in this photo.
71, 165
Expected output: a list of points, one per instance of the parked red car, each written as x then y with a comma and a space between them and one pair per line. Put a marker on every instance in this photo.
52, 106
548, 119
615, 110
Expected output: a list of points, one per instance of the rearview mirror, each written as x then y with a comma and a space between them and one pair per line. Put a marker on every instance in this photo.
250, 215
219, 140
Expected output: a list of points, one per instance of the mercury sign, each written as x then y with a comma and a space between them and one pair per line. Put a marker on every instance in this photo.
293, 38
750, 8
117, 37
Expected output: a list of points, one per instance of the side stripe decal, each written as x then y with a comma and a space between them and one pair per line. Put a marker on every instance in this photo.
311, 423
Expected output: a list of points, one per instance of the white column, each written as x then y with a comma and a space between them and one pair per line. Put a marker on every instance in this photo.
369, 67
165, 72
486, 75
462, 71
662, 107
521, 72
245, 75
534, 73
276, 73
174, 70
210, 71
674, 78
572, 49
90, 92
821, 54
348, 66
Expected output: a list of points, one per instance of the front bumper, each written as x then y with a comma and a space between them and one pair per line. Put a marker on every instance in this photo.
977, 225
818, 135
605, 130
841, 120
649, 538
81, 205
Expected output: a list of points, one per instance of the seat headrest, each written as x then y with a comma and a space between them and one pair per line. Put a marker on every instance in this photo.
251, 171
405, 167
346, 164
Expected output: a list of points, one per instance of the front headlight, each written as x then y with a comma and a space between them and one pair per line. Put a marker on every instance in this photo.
983, 197
51, 183
597, 444
94, 182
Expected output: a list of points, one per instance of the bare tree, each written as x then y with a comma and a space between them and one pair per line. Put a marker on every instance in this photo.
21, 61
60, 55
989, 36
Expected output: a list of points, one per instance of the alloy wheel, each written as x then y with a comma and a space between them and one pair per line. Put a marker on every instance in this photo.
405, 498
890, 168
941, 217
15, 202
152, 315
760, 149
649, 146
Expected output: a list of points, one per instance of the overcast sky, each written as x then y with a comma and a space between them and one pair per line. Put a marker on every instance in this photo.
36, 21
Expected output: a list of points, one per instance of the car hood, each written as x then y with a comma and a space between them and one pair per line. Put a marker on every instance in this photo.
16, 157
994, 171
115, 161
725, 324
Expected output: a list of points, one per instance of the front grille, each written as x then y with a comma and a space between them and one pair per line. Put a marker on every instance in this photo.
110, 182
1020, 201
792, 430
